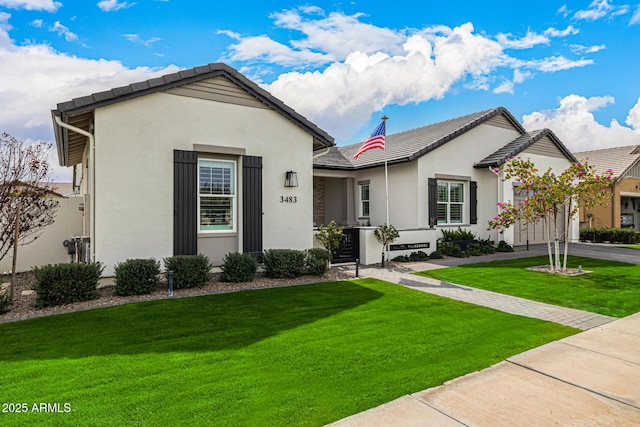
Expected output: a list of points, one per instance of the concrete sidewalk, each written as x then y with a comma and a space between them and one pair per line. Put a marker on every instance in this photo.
583, 320
588, 379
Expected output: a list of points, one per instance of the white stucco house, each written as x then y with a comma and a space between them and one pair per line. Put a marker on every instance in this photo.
439, 176
199, 161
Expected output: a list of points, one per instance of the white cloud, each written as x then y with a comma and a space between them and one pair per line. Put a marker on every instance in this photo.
635, 19
520, 76
633, 119
63, 31
564, 11
580, 49
135, 38
569, 31
37, 23
574, 123
345, 94
553, 64
505, 87
35, 78
265, 49
526, 42
46, 5
599, 9
113, 5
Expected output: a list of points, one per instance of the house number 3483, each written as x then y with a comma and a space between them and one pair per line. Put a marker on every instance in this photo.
288, 199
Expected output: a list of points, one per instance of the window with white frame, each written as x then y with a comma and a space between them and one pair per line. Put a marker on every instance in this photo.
364, 201
450, 202
216, 195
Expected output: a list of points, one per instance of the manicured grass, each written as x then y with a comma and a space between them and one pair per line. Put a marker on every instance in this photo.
303, 355
637, 247
612, 289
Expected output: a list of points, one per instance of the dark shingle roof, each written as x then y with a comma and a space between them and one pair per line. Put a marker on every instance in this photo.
90, 102
520, 144
407, 146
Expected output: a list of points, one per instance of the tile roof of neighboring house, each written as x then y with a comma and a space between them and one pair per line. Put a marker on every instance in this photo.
619, 159
84, 104
409, 145
520, 144
63, 188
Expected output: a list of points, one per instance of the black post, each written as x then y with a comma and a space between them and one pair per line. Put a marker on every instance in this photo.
357, 267
382, 259
170, 283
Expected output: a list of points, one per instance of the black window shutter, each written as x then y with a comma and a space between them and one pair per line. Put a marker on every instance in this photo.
185, 202
473, 203
433, 201
252, 205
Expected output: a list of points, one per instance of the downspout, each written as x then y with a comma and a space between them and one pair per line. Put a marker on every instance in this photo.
499, 176
315, 156
92, 181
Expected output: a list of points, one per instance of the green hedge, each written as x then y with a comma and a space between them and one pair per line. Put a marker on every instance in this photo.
239, 268
317, 261
66, 283
137, 276
284, 263
611, 235
188, 270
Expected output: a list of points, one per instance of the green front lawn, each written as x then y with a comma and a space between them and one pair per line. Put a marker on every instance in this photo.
637, 247
612, 289
303, 355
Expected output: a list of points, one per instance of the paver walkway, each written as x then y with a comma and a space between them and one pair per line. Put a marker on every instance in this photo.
566, 316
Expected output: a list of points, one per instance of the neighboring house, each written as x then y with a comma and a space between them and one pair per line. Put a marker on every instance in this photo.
48, 247
440, 177
199, 161
625, 201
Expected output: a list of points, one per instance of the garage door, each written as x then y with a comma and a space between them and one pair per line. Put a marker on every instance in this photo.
534, 233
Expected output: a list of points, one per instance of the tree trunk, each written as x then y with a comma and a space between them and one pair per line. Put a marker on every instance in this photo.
547, 231
15, 250
566, 235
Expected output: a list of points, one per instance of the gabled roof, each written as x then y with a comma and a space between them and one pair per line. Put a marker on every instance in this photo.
619, 159
520, 144
408, 146
78, 107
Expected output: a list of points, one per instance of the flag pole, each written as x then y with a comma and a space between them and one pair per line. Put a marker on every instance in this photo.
386, 175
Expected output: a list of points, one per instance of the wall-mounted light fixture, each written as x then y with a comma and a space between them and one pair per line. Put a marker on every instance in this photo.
291, 179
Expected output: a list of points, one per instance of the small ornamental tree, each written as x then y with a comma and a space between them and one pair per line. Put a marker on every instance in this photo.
25, 187
385, 234
330, 236
548, 196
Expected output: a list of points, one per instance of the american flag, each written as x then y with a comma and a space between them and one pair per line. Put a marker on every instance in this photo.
375, 140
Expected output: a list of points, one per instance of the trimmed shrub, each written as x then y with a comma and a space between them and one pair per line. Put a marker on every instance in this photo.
66, 283
188, 270
284, 263
612, 235
316, 261
239, 268
413, 257
137, 276
418, 256
475, 249
504, 247
451, 249
436, 254
5, 302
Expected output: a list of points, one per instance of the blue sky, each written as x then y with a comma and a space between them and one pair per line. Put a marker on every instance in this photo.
569, 66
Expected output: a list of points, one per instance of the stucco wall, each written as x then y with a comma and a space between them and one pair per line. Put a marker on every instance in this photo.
48, 248
457, 157
134, 172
